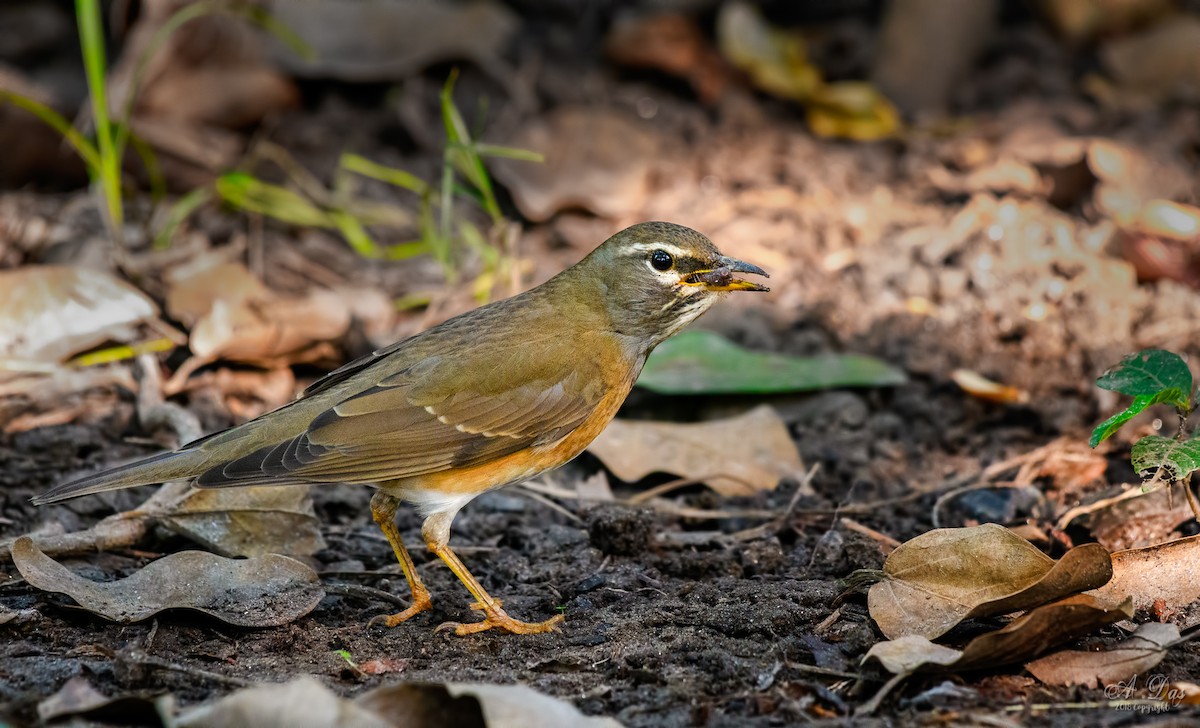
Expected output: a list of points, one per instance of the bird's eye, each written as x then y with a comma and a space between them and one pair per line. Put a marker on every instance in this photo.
661, 260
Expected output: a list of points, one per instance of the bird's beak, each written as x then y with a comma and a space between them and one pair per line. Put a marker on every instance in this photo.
721, 278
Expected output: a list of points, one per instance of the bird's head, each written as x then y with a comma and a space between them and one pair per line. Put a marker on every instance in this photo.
657, 277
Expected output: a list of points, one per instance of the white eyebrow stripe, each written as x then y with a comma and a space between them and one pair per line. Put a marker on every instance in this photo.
650, 247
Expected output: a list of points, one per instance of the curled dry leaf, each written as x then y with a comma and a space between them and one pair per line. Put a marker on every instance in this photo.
78, 699
1141, 651
264, 591
754, 450
304, 701
53, 312
252, 521
1165, 573
1023, 638
944, 576
597, 159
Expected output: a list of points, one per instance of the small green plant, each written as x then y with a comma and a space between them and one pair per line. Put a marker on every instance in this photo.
440, 232
103, 155
1152, 377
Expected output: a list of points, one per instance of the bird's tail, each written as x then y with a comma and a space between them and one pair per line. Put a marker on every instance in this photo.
155, 469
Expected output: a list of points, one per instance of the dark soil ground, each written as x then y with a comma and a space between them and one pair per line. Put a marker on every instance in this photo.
667, 622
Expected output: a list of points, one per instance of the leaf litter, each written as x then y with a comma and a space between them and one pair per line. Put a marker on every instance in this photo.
1139, 652
263, 591
944, 576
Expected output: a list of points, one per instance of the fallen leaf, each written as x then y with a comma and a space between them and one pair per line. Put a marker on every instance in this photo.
944, 576
264, 591
977, 385
736, 456
499, 706
1142, 520
851, 110
1023, 638
77, 698
372, 40
702, 362
304, 701
1164, 572
1082, 20
234, 316
597, 159
252, 521
672, 43
383, 665
776, 61
53, 312
301, 702
1141, 651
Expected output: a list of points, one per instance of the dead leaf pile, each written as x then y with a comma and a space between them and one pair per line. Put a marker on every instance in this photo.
264, 591
938, 579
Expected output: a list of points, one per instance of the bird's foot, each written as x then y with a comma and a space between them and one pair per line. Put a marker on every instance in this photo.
391, 620
497, 618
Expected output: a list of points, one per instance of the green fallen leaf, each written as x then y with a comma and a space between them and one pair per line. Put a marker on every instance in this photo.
701, 362
1177, 458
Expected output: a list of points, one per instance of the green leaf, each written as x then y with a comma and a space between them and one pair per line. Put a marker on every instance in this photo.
523, 155
701, 362
1151, 372
391, 175
1177, 458
253, 195
1105, 429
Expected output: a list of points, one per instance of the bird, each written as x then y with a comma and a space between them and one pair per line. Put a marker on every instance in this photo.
491, 397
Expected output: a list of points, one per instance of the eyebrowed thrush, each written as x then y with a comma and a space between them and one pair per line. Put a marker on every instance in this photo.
491, 397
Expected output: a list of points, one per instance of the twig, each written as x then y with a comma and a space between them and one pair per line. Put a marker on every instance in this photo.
139, 658
367, 593
887, 544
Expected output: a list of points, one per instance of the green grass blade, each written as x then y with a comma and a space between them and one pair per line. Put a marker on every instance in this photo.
180, 211
523, 155
56, 121
91, 37
251, 194
397, 177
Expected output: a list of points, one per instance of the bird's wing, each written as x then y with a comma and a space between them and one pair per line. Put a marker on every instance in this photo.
426, 418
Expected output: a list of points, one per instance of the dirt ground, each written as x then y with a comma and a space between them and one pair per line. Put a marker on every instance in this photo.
895, 249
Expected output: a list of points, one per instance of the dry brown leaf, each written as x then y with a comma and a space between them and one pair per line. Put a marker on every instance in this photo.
234, 316
1144, 520
944, 576
1165, 572
1023, 638
252, 521
211, 71
264, 591
77, 698
672, 43
597, 159
754, 450
390, 40
1140, 652
52, 312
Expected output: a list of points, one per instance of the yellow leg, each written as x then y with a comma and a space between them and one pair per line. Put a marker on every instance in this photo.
437, 536
383, 509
